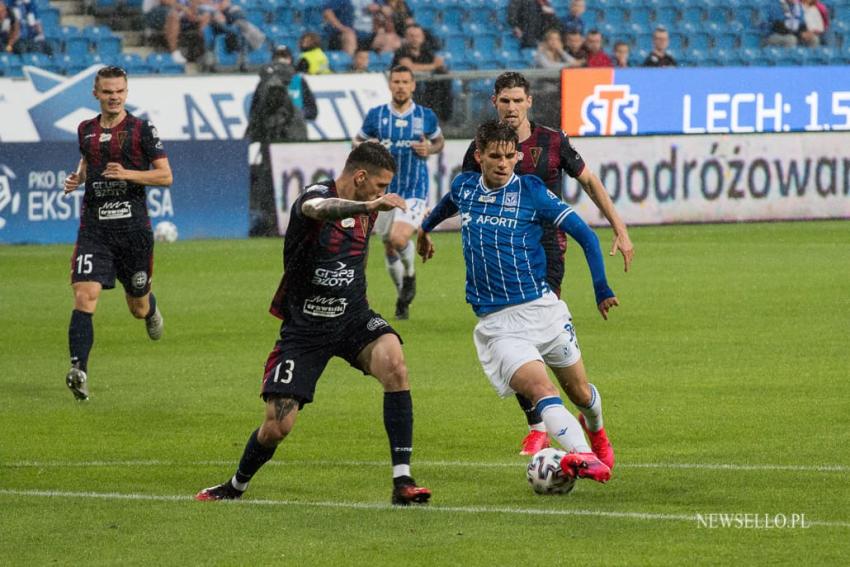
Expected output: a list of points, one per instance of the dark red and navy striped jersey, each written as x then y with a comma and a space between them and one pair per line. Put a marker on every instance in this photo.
324, 266
116, 204
547, 153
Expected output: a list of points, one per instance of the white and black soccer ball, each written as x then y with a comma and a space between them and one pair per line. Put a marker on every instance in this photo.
165, 231
545, 475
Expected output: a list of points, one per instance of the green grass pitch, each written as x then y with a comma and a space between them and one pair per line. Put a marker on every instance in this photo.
724, 377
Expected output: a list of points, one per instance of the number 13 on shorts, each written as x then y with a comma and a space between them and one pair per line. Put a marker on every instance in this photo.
286, 377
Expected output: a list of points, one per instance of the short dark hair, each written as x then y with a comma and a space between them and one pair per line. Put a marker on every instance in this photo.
495, 131
370, 156
510, 80
401, 69
619, 43
109, 72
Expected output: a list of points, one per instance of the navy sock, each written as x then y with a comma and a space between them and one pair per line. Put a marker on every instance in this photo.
398, 421
531, 415
80, 338
152, 310
254, 456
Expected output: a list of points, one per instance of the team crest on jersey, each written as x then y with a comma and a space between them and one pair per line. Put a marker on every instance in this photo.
376, 323
347, 223
535, 154
364, 223
140, 279
122, 137
511, 199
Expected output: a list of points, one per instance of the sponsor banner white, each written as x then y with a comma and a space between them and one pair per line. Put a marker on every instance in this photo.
651, 180
47, 107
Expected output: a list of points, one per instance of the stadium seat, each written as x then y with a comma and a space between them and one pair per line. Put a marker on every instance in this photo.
426, 16
453, 17
260, 56
640, 15
693, 14
667, 15
73, 64
753, 56
616, 15
823, 55
75, 46
10, 65
508, 41
340, 61
751, 40
223, 56
164, 64
50, 18
109, 45
699, 40
694, 57
725, 40
455, 42
134, 64
644, 41
484, 42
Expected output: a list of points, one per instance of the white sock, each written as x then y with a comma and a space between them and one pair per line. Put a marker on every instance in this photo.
537, 427
243, 486
401, 470
562, 425
593, 412
395, 269
408, 258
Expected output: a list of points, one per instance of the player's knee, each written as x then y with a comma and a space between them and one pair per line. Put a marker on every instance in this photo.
578, 393
273, 432
139, 311
394, 374
398, 241
85, 300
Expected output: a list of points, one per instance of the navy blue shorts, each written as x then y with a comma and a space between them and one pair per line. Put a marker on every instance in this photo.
298, 359
102, 257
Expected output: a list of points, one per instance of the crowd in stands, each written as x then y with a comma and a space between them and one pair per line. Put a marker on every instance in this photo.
442, 35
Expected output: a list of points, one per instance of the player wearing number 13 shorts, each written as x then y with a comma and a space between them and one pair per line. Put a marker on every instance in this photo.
121, 154
322, 302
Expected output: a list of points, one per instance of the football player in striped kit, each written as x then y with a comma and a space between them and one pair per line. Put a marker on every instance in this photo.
523, 326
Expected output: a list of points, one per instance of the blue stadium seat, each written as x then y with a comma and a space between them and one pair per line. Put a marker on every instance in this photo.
455, 42
223, 56
426, 16
164, 64
641, 15
667, 15
695, 57
340, 61
134, 64
49, 17
109, 45
94, 33
453, 16
693, 14
508, 41
258, 16
699, 40
105, 59
754, 57
40, 60
616, 15
823, 55
485, 61
10, 65
644, 41
751, 40
73, 64
484, 42
726, 40
75, 46
260, 56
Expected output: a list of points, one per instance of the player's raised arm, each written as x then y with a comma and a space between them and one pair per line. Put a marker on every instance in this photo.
334, 208
597, 193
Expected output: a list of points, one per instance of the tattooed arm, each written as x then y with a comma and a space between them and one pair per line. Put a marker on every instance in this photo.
334, 208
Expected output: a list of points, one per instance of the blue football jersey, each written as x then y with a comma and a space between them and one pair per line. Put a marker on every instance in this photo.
397, 132
501, 230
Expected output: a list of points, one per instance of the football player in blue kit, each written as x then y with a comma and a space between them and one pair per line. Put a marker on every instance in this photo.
523, 326
412, 134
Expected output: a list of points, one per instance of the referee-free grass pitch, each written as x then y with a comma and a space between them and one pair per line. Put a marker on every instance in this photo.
724, 377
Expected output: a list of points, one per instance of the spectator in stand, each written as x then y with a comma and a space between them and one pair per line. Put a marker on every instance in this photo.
622, 52
399, 14
787, 24
176, 17
595, 56
385, 38
360, 61
529, 20
573, 20
418, 56
550, 53
350, 24
659, 56
574, 45
9, 28
229, 19
313, 60
816, 16
31, 35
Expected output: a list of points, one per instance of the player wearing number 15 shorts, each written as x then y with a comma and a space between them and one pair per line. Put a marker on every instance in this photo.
121, 154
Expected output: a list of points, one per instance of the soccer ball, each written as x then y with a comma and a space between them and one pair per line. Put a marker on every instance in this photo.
165, 231
545, 475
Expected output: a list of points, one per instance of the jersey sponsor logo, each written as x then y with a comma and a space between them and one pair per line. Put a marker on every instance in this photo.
329, 307
341, 276
486, 198
496, 221
376, 323
87, 136
389, 144
115, 210
400, 123
8, 198
114, 188
511, 199
105, 137
609, 111
139, 280
347, 223
535, 154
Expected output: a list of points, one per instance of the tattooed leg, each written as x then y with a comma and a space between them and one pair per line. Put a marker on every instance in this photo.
280, 417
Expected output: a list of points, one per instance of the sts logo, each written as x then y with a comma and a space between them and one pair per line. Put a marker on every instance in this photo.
610, 110
7, 197
594, 104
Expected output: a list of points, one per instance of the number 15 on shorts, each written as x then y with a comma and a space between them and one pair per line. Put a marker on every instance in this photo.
84, 265
289, 366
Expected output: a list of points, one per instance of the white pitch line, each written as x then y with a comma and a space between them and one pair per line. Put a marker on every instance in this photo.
438, 464
646, 516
